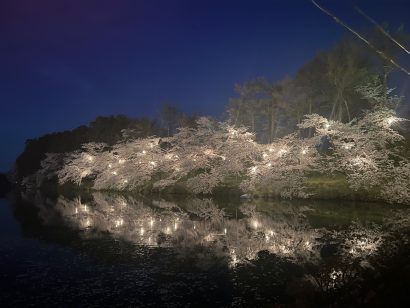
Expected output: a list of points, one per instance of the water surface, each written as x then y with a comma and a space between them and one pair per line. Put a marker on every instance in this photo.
126, 250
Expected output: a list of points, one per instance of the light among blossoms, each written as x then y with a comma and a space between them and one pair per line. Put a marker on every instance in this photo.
347, 146
208, 152
121, 161
255, 224
391, 120
90, 158
119, 222
281, 152
233, 131
85, 173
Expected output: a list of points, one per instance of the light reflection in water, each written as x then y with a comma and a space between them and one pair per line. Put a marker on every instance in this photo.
201, 223
199, 232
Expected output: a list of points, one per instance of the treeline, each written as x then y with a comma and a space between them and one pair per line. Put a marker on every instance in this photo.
327, 85
109, 130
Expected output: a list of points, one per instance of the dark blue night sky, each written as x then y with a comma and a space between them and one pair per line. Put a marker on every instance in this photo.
64, 62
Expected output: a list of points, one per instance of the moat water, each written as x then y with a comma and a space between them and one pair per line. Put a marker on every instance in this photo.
121, 250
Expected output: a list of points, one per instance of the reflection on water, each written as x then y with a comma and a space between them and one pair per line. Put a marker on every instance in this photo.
258, 252
285, 232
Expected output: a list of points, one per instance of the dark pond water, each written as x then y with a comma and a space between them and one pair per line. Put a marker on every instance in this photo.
116, 250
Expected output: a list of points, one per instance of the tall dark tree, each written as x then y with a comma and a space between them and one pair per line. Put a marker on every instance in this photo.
170, 118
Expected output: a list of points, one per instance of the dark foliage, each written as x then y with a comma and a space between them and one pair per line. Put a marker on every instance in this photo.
103, 129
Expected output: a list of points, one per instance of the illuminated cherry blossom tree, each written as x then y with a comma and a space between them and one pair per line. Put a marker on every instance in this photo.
365, 151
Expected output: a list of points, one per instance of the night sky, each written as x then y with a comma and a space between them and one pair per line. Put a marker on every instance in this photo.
64, 62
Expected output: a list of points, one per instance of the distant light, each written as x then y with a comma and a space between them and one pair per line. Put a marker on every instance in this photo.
144, 152
121, 161
265, 155
109, 166
271, 149
114, 172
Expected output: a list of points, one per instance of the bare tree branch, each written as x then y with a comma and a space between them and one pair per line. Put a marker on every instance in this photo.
378, 51
380, 28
